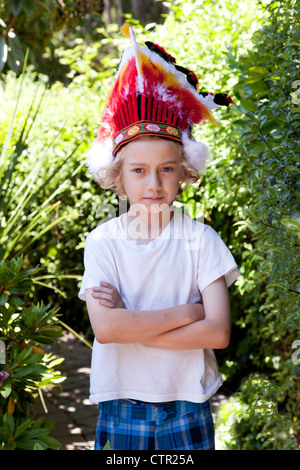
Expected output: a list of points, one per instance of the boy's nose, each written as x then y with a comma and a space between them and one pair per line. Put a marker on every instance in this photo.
155, 181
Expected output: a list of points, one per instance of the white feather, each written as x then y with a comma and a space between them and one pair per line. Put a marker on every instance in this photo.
136, 47
99, 157
208, 101
196, 153
126, 56
180, 76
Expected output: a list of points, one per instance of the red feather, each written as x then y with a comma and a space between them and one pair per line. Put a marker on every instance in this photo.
116, 115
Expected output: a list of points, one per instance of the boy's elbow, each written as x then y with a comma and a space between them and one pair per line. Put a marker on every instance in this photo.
107, 332
101, 338
104, 335
223, 339
102, 329
101, 323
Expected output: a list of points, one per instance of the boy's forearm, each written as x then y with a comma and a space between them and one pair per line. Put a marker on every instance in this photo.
198, 335
119, 325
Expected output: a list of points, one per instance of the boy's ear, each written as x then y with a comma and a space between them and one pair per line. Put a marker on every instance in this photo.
182, 172
121, 191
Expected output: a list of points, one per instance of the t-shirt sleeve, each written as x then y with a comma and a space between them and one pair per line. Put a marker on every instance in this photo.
215, 260
97, 265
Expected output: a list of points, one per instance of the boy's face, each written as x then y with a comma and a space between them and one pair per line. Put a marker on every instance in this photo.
151, 171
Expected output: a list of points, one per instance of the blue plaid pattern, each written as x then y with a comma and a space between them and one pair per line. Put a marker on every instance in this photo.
178, 425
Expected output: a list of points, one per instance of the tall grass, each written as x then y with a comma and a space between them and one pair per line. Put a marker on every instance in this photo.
23, 221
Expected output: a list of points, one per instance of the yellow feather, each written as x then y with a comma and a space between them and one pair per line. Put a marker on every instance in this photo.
169, 79
125, 29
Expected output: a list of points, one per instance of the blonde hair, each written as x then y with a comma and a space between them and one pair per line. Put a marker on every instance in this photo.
112, 178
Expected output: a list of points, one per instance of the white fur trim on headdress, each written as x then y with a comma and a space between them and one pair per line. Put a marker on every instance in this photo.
196, 153
99, 157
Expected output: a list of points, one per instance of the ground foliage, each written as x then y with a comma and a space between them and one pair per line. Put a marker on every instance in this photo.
25, 367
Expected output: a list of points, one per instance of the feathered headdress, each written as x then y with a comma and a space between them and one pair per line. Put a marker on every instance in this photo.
153, 96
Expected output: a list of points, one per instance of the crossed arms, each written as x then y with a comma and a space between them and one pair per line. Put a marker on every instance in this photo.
188, 326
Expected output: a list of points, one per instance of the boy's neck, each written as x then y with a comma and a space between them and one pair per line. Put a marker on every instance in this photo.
145, 226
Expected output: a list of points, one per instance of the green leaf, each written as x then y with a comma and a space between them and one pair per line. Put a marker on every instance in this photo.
39, 445
29, 6
6, 390
35, 369
23, 354
51, 442
10, 446
23, 427
20, 288
259, 70
268, 126
37, 433
3, 53
3, 299
16, 301
293, 225
9, 423
31, 444
17, 6
248, 105
255, 149
49, 424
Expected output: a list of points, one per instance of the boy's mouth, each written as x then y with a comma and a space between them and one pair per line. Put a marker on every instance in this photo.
154, 198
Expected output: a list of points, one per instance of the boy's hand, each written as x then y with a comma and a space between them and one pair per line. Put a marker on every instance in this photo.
108, 295
199, 311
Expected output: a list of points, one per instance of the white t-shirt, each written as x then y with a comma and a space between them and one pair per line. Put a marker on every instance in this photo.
171, 270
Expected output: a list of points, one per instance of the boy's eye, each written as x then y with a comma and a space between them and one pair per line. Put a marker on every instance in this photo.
166, 169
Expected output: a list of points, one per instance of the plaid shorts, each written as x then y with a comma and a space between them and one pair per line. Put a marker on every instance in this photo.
178, 425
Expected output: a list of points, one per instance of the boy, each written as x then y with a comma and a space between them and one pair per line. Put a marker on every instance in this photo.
155, 281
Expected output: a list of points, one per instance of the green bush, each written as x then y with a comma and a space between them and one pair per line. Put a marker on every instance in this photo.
27, 24
266, 137
26, 367
27, 215
46, 202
